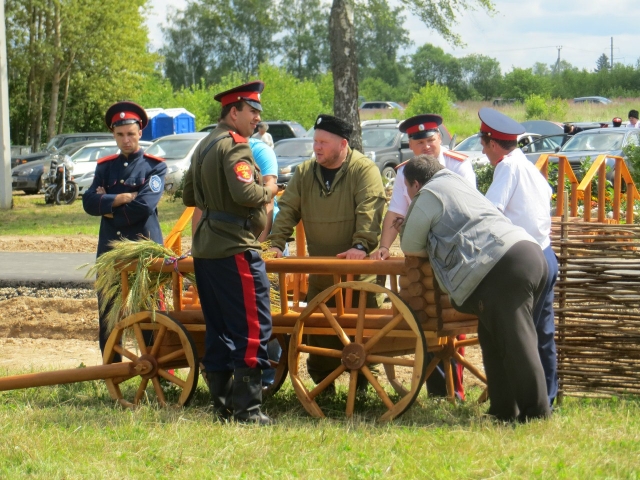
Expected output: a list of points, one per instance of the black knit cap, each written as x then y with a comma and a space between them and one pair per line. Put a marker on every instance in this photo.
334, 125
633, 114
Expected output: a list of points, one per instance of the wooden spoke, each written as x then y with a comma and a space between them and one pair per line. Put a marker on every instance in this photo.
125, 353
469, 366
390, 345
334, 324
172, 348
158, 340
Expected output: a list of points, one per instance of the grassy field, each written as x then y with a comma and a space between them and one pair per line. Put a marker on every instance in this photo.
31, 216
76, 431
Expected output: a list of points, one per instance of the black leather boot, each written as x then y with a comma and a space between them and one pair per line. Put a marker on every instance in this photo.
247, 397
220, 386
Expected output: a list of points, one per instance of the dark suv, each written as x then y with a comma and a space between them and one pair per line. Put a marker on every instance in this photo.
278, 129
58, 141
388, 147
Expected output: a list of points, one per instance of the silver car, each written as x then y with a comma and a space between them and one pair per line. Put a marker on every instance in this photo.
177, 151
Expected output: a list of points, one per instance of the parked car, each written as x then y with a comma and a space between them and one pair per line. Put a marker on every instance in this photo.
378, 105
597, 100
278, 129
85, 160
176, 151
28, 176
290, 153
59, 141
598, 141
388, 147
472, 146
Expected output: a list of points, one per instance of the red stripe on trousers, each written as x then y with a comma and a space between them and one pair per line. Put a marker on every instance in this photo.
251, 311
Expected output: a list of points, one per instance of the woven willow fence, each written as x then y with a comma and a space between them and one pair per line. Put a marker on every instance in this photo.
598, 308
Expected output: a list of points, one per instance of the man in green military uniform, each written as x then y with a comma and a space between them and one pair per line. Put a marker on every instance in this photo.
224, 182
340, 199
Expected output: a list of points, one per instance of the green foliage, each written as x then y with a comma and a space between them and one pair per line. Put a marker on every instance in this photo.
430, 99
539, 107
521, 82
484, 177
287, 98
632, 155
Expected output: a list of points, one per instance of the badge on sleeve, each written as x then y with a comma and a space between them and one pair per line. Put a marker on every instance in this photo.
243, 172
155, 184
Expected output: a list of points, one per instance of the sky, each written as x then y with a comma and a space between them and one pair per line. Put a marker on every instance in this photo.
520, 33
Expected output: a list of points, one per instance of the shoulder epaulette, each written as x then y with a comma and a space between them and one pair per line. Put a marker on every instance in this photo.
237, 137
461, 157
401, 165
108, 159
153, 157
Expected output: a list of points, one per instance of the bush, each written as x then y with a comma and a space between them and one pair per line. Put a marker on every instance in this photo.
632, 153
431, 98
484, 177
539, 107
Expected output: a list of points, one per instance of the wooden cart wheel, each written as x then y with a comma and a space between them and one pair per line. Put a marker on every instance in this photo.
281, 366
381, 347
171, 349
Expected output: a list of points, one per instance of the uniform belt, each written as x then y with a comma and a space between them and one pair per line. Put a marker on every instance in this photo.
244, 222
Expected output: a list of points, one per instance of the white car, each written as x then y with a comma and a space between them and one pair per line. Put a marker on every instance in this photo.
86, 159
472, 147
176, 151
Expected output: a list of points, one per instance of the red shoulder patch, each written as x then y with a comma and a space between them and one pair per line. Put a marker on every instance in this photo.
461, 157
401, 165
237, 137
153, 157
109, 158
243, 172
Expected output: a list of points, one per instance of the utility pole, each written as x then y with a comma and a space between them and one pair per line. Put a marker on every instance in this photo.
558, 62
611, 52
5, 145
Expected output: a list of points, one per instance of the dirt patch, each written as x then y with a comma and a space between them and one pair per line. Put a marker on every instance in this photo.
59, 244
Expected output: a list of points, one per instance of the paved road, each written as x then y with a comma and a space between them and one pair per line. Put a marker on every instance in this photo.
45, 269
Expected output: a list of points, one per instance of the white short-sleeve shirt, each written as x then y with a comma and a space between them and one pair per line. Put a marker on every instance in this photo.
400, 200
522, 193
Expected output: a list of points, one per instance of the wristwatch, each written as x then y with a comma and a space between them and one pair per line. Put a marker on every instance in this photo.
360, 247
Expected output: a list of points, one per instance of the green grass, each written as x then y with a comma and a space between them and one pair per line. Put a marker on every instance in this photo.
76, 431
31, 216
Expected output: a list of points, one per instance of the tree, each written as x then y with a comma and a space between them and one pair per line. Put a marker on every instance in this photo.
344, 66
432, 65
519, 83
483, 74
305, 23
602, 64
379, 35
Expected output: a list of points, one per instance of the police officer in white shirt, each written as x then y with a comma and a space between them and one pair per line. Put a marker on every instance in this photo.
523, 195
424, 139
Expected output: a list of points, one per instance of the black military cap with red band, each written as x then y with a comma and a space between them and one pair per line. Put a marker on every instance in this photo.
497, 125
249, 92
125, 113
421, 126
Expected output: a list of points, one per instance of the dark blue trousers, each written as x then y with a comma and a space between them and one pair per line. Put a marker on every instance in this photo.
234, 293
545, 327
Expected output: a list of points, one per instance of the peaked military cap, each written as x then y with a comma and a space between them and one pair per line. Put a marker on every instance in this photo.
249, 92
125, 113
497, 125
421, 126
617, 121
334, 125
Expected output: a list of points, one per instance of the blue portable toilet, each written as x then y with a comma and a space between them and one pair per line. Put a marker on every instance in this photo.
151, 131
179, 120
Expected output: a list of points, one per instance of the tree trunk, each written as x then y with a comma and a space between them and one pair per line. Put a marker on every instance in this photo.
344, 64
65, 97
55, 81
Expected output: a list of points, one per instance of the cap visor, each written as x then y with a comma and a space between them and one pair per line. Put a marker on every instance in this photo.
253, 104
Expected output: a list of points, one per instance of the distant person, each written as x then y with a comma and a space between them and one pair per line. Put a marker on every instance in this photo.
571, 129
262, 134
617, 122
126, 189
633, 119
